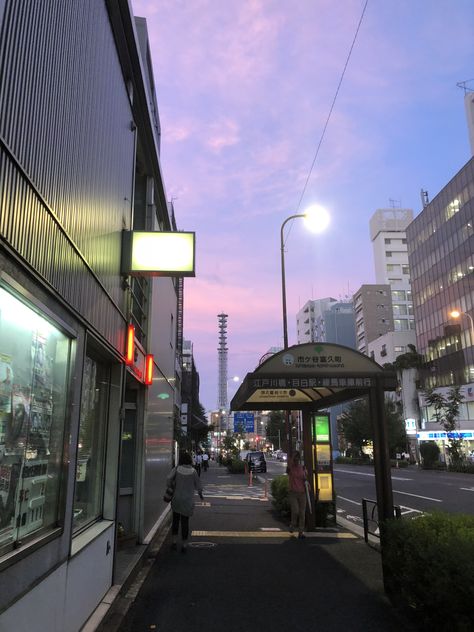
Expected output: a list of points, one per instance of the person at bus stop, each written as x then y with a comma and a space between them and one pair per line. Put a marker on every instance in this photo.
297, 476
186, 481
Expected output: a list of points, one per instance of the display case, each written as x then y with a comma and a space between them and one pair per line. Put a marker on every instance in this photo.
34, 370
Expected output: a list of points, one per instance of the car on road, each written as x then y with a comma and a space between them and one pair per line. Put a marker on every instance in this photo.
256, 461
282, 456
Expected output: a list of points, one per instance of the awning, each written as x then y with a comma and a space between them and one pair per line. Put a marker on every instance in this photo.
312, 376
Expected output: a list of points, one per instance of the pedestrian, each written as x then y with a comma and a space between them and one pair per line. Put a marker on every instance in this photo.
297, 476
205, 461
198, 463
186, 480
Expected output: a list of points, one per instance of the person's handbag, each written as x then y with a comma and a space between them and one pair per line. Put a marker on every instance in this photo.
168, 497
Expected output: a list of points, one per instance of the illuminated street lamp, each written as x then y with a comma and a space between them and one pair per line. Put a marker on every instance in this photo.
317, 220
456, 313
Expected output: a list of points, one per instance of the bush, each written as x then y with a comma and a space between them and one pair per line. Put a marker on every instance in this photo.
429, 451
236, 466
280, 493
464, 467
429, 566
399, 463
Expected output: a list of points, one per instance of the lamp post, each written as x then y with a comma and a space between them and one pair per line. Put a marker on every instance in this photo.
457, 313
317, 219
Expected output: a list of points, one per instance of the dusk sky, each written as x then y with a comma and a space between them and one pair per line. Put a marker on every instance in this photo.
244, 88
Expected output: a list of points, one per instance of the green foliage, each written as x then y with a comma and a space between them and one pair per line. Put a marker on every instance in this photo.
429, 451
446, 413
429, 565
236, 466
275, 430
229, 443
399, 463
409, 360
280, 493
357, 427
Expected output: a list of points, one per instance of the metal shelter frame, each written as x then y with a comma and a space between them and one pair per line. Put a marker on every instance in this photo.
311, 377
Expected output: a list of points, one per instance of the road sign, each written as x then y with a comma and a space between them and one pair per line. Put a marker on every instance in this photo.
244, 421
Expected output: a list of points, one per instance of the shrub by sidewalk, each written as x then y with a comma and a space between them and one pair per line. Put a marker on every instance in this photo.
280, 493
429, 566
236, 466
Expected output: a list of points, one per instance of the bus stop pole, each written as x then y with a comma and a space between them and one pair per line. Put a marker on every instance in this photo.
308, 462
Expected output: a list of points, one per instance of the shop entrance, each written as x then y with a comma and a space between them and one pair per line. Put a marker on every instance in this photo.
127, 511
311, 378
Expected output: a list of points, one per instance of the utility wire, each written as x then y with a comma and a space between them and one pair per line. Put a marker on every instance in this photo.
330, 112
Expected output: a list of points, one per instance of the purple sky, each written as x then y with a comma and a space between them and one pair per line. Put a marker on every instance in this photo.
244, 88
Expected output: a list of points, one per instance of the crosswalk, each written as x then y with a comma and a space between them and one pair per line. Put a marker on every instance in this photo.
235, 492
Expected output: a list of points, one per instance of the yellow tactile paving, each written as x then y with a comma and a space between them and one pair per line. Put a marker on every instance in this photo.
271, 534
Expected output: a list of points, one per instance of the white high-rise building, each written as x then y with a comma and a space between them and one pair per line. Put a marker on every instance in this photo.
388, 235
310, 320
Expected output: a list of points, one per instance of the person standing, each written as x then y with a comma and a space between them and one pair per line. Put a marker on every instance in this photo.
297, 491
186, 481
205, 461
198, 463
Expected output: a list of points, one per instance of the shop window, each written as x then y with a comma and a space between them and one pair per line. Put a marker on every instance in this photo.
88, 496
34, 369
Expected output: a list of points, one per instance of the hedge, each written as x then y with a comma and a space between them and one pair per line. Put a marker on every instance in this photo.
429, 568
280, 493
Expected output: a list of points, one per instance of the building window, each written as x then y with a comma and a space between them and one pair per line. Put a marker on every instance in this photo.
388, 253
88, 496
387, 240
34, 368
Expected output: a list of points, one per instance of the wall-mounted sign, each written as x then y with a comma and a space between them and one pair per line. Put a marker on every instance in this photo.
310, 382
158, 253
278, 395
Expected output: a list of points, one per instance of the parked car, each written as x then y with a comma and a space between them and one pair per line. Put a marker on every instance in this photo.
256, 461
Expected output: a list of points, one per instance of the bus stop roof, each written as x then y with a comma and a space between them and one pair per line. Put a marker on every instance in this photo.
311, 375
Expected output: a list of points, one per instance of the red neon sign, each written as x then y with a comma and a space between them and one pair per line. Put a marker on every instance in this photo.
149, 369
130, 350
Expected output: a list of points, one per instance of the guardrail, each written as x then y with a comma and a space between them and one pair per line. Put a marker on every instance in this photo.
371, 518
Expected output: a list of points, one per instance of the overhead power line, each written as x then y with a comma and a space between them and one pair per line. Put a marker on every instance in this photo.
331, 109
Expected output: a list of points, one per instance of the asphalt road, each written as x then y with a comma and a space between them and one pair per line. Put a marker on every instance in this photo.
416, 491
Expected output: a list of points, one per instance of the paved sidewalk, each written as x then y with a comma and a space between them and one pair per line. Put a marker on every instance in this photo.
244, 571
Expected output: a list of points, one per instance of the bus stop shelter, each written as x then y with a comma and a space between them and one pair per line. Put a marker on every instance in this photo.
312, 377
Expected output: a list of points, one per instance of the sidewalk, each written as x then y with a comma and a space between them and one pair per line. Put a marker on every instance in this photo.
244, 571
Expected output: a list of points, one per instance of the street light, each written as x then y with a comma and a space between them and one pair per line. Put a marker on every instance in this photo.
456, 313
317, 219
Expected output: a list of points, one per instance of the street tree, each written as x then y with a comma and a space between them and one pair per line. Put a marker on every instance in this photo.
357, 427
275, 428
446, 412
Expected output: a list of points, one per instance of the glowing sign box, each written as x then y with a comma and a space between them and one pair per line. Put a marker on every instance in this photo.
158, 253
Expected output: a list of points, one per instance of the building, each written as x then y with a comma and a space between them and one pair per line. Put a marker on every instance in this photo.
309, 320
441, 255
373, 314
190, 420
388, 235
88, 350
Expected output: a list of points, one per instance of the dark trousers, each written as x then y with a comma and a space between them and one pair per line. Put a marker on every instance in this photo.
184, 525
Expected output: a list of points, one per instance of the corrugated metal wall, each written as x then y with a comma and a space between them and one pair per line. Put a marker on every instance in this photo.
66, 152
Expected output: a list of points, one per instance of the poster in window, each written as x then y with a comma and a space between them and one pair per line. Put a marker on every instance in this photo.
6, 383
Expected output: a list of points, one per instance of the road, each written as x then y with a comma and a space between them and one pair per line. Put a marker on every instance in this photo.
416, 491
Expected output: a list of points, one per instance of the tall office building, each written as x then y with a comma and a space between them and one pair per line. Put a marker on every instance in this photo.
388, 235
373, 314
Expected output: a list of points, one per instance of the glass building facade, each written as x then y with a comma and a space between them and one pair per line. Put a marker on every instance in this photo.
441, 259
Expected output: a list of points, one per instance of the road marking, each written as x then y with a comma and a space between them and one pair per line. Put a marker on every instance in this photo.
271, 534
467, 489
349, 500
394, 478
435, 500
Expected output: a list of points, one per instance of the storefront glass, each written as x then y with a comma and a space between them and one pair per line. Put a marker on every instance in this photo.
34, 368
89, 490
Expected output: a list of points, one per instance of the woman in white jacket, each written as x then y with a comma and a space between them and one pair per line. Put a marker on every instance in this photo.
186, 481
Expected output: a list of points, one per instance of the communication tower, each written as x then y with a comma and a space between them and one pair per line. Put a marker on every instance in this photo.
222, 358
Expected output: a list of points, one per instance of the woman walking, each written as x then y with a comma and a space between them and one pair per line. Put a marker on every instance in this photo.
186, 480
297, 478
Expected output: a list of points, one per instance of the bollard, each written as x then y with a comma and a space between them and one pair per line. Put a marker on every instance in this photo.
265, 491
250, 478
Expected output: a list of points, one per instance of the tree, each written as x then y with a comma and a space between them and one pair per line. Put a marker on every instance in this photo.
275, 429
357, 427
446, 413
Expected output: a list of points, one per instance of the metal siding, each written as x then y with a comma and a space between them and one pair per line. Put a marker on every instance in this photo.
66, 152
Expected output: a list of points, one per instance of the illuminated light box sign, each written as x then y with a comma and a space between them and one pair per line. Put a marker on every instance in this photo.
321, 428
158, 253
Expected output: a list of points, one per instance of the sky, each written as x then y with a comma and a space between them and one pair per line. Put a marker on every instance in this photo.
244, 89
